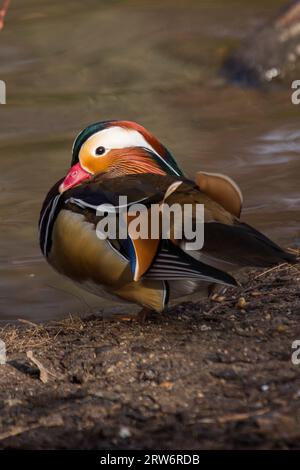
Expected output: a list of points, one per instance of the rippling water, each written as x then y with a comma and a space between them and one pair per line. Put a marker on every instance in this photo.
69, 63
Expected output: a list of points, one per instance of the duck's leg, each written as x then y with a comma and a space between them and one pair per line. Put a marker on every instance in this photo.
143, 314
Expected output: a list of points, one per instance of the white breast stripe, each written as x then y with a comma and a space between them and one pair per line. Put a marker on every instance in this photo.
83, 204
44, 214
54, 204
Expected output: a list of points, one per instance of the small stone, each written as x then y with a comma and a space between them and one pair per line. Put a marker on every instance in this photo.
111, 369
167, 385
205, 328
281, 328
265, 388
272, 73
241, 303
148, 374
124, 432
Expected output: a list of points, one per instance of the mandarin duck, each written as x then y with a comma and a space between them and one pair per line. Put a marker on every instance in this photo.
121, 158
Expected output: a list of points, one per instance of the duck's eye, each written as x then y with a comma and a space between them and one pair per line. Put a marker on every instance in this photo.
100, 150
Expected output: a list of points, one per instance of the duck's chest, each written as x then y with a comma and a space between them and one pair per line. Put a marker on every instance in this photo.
77, 252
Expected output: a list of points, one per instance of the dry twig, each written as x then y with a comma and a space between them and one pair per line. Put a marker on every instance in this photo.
44, 372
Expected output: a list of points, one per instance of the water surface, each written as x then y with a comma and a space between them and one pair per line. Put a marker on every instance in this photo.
67, 64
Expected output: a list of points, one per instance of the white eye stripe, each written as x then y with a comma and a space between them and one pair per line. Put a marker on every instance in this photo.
117, 137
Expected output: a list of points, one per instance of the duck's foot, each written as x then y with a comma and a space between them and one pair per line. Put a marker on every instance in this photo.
139, 317
143, 314
215, 290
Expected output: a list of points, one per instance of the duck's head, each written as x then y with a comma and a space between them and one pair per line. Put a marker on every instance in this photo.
117, 148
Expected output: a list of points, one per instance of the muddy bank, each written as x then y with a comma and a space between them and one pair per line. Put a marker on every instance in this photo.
206, 375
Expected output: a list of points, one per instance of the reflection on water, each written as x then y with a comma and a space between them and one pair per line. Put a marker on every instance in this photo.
69, 63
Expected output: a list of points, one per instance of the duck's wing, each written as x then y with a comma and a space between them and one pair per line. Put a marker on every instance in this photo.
228, 242
221, 189
174, 264
149, 258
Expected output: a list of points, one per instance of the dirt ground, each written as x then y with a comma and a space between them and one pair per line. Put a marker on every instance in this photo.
207, 375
